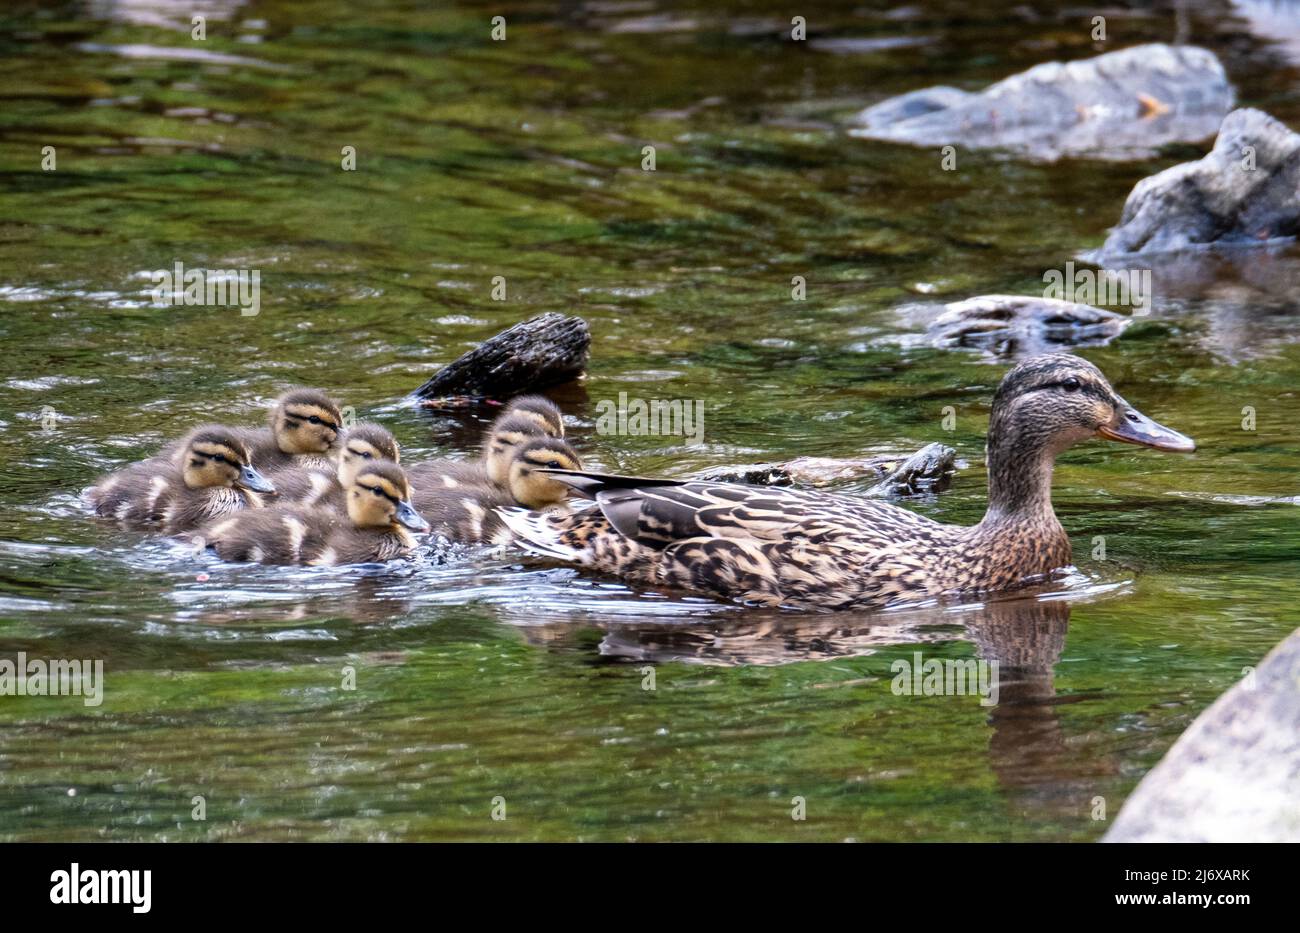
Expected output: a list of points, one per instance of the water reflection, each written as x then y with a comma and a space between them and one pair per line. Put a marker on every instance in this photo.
1042, 774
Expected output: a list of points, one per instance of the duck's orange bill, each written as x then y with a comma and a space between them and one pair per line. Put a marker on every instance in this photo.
1133, 427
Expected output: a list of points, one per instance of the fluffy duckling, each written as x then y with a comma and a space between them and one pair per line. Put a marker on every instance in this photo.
363, 443
526, 417
305, 425
539, 408
211, 475
467, 514
376, 527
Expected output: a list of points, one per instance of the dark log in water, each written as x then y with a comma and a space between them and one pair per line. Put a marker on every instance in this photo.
930, 469
534, 354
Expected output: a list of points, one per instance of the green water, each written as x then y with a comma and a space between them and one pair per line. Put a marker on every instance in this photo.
483, 677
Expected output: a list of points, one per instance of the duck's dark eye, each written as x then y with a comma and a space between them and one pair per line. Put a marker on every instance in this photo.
314, 420
1071, 384
367, 454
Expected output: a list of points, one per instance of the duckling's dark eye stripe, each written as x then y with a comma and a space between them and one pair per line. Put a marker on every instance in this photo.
219, 458
381, 491
320, 417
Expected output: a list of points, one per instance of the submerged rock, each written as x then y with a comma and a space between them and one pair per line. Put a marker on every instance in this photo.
1121, 105
1246, 191
1234, 775
930, 469
1022, 325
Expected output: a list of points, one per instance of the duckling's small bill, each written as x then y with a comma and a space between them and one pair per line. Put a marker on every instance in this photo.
254, 481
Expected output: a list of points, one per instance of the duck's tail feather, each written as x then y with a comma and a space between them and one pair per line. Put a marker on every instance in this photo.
537, 533
587, 483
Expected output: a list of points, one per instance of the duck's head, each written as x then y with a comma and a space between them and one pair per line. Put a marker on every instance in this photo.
534, 489
306, 421
214, 456
379, 496
539, 409
1051, 402
365, 443
506, 435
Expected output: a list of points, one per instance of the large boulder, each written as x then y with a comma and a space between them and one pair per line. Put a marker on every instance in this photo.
1246, 191
1121, 105
1234, 775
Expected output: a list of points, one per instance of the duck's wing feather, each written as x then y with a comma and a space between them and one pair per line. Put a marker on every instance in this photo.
659, 513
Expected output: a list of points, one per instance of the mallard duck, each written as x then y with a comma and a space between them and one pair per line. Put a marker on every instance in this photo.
376, 527
467, 513
210, 475
526, 417
814, 550
363, 443
304, 429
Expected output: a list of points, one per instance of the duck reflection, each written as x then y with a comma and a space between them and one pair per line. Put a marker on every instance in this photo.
1044, 775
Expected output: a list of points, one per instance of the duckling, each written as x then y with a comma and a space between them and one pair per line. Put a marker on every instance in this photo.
540, 409
211, 475
362, 443
467, 514
524, 418
826, 551
377, 525
304, 430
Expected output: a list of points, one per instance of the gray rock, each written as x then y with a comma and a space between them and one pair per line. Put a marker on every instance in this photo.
1121, 105
1020, 325
1275, 20
1219, 200
1234, 775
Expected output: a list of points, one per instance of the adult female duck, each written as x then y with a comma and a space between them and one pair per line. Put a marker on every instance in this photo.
813, 550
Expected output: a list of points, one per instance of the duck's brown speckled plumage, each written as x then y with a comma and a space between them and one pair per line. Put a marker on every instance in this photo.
813, 550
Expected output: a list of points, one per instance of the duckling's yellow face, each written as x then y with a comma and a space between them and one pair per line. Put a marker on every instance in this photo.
379, 497
355, 453
306, 427
506, 436
536, 490
213, 460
